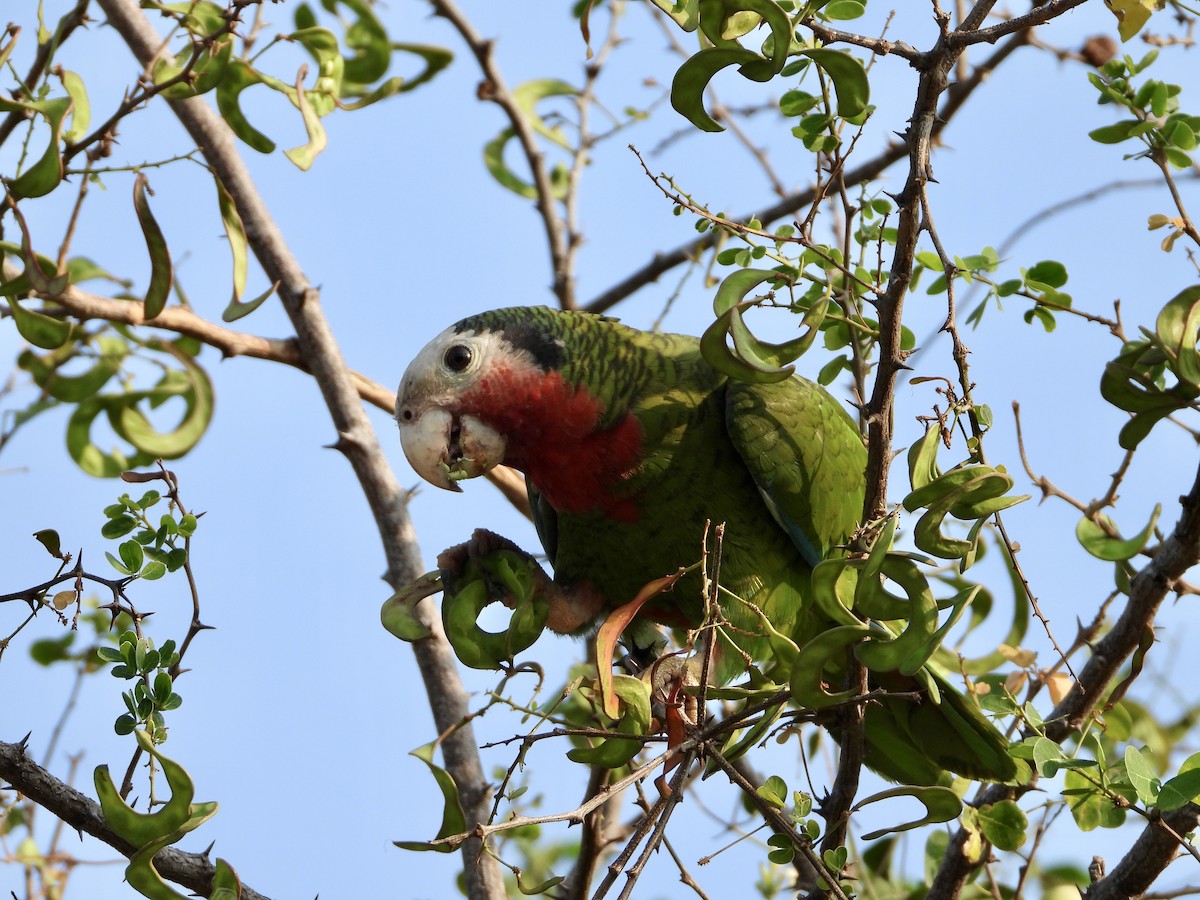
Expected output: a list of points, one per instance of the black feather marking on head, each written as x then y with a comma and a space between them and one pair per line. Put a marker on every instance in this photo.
530, 329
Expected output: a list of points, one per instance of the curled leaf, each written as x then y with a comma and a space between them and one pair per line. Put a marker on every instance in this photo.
612, 752
399, 615
141, 829
239, 75
808, 671
192, 385
304, 155
161, 272
481, 649
1098, 540
941, 805
454, 820
849, 79
691, 79
1176, 330
608, 633
46, 173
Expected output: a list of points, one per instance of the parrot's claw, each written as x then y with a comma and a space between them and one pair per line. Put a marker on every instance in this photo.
455, 562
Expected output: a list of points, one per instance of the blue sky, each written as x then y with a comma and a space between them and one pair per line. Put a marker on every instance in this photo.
300, 710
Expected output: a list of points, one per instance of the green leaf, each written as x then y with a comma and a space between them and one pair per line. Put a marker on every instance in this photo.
691, 79
162, 687
454, 820
1097, 541
493, 159
1114, 134
481, 649
49, 539
782, 850
1142, 776
74, 388
192, 386
1003, 824
774, 790
206, 72
686, 13
1176, 329
1090, 808
322, 45
527, 96
46, 173
131, 555
46, 651
81, 111
161, 272
849, 79
87, 455
118, 526
1048, 272
239, 75
797, 103
1183, 788
843, 10
142, 829
941, 805
635, 719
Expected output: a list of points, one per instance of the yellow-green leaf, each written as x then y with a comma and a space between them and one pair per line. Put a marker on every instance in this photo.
1132, 15
304, 155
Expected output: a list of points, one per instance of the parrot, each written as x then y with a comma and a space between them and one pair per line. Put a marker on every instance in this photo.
631, 443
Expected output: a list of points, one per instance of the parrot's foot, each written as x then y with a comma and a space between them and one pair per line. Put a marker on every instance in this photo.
456, 561
570, 609
675, 710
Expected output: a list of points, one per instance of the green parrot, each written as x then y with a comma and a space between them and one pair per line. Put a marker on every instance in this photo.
630, 442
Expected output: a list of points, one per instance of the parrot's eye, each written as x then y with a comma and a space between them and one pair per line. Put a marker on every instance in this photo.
457, 358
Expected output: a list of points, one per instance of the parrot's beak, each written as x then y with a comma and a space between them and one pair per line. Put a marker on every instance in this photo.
444, 448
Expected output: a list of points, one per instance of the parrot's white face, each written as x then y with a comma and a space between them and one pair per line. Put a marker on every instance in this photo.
442, 439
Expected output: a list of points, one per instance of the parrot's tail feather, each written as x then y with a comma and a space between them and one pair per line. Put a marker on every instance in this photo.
919, 742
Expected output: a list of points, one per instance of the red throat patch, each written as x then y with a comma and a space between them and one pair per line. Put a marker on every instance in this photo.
550, 427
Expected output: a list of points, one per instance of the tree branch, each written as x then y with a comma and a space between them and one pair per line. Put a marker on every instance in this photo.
1039, 15
193, 870
1147, 591
890, 306
356, 438
1155, 847
956, 96
494, 89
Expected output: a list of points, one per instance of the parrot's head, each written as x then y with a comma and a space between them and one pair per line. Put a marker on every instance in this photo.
518, 386
477, 395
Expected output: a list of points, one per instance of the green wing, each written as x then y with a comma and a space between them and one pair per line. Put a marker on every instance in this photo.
806, 457
545, 521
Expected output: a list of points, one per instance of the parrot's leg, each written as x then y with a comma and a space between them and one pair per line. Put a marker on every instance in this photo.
571, 608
